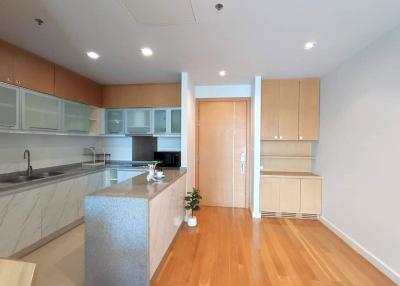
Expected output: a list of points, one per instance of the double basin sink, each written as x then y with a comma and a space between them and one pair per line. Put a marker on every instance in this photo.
25, 178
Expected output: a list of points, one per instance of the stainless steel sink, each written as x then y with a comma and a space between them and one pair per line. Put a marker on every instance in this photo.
50, 174
20, 179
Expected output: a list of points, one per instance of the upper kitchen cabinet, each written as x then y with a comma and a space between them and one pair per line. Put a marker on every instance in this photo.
279, 110
270, 109
76, 117
309, 109
138, 121
290, 109
72, 86
115, 121
9, 106
40, 111
33, 72
7, 55
176, 121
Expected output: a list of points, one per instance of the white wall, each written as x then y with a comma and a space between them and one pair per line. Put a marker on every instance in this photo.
120, 148
255, 148
46, 150
168, 144
359, 153
223, 91
188, 143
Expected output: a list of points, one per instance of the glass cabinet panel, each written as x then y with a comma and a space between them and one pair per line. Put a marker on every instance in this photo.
9, 106
76, 117
40, 111
138, 121
175, 121
160, 121
114, 121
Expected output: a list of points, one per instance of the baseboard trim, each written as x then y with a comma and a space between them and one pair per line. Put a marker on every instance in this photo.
382, 266
47, 239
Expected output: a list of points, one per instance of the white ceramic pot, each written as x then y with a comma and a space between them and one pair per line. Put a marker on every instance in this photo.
187, 215
192, 221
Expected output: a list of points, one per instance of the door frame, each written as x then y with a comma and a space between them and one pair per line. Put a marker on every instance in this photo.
248, 140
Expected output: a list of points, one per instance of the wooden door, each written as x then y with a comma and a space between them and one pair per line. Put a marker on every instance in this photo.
33, 72
311, 196
7, 53
270, 90
289, 110
289, 190
269, 194
222, 137
309, 109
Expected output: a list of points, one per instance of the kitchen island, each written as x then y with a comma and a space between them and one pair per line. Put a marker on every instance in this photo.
130, 226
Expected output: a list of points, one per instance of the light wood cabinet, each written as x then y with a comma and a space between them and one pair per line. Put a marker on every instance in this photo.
290, 109
310, 196
309, 109
33, 72
290, 195
269, 194
270, 110
7, 54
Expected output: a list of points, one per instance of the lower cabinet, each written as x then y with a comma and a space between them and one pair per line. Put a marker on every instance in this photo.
29, 216
290, 195
310, 196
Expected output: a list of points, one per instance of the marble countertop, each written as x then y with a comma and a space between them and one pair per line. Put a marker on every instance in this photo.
138, 187
69, 171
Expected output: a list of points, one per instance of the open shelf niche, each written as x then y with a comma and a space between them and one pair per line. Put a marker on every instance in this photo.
286, 156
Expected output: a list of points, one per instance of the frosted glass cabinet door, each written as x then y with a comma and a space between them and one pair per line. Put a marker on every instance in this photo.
138, 121
175, 121
9, 98
115, 121
76, 117
40, 111
160, 121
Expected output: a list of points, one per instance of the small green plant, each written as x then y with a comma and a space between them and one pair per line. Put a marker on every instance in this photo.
193, 200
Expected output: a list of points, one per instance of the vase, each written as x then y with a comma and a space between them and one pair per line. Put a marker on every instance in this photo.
192, 221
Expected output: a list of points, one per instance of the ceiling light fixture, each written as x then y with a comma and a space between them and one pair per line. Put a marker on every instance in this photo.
147, 52
309, 45
93, 55
222, 73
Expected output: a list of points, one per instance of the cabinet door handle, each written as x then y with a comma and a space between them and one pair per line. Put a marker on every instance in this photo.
301, 137
275, 137
280, 137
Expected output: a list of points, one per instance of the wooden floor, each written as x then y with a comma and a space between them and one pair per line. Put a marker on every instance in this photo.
229, 248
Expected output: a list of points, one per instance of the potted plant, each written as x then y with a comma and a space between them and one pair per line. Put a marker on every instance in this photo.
192, 204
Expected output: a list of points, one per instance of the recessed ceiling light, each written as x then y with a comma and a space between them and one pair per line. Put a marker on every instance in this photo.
309, 45
92, 55
147, 52
222, 73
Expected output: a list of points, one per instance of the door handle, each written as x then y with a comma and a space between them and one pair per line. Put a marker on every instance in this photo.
243, 163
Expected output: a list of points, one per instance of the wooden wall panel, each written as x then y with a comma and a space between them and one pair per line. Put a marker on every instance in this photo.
33, 72
72, 86
7, 54
142, 95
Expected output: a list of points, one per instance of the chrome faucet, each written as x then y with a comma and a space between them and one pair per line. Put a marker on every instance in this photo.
29, 170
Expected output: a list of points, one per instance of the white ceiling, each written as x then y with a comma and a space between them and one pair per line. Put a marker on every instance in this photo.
249, 37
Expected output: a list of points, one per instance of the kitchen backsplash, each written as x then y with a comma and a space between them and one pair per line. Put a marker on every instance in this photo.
46, 150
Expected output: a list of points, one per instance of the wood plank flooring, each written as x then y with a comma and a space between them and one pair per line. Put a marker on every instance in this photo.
229, 248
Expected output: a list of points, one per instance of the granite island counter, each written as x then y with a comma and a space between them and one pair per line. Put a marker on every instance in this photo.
130, 226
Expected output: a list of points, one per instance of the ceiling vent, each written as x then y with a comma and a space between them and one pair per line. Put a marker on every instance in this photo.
161, 12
